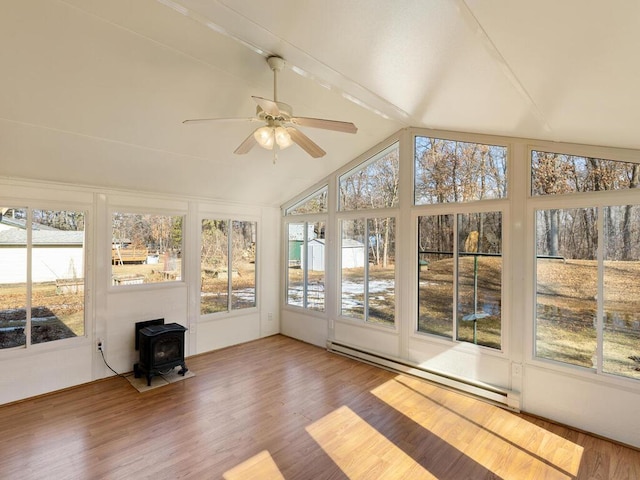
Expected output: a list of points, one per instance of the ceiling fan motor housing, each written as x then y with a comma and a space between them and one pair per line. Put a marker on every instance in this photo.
284, 115
276, 63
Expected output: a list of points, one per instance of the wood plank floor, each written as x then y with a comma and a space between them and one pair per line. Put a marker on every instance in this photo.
278, 408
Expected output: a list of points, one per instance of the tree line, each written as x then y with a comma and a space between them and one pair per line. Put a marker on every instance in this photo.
161, 233
448, 171
373, 185
573, 233
215, 235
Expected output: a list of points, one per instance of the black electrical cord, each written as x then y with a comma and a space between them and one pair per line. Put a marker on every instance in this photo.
105, 362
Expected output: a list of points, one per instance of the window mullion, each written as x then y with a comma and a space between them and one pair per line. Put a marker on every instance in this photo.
305, 265
27, 328
229, 264
454, 310
600, 291
366, 270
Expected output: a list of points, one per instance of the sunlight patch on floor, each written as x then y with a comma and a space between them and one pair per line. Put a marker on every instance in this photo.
360, 450
503, 443
259, 466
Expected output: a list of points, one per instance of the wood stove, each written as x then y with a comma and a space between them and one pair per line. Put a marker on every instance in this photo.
161, 349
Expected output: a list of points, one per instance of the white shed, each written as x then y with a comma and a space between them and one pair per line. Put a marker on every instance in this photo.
315, 252
352, 253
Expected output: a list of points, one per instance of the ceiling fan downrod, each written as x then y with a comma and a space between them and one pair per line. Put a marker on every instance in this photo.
277, 64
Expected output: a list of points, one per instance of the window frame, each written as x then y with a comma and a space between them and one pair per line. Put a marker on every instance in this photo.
572, 200
579, 153
68, 342
362, 163
365, 215
477, 207
230, 311
306, 220
145, 211
289, 217
289, 210
502, 205
338, 214
462, 138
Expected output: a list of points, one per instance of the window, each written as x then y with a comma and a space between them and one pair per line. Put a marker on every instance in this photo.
368, 269
555, 173
315, 203
367, 243
306, 252
146, 248
306, 265
460, 276
436, 274
372, 184
566, 274
621, 295
227, 265
42, 276
587, 292
451, 171
587, 265
459, 253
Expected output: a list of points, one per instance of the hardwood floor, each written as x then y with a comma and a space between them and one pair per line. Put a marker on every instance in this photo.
278, 408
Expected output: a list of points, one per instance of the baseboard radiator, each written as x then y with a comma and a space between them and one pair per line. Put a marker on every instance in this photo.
497, 396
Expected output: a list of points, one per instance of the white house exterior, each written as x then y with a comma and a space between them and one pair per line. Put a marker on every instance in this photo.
353, 254
56, 255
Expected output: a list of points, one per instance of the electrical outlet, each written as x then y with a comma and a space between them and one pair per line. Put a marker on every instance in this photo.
270, 316
100, 346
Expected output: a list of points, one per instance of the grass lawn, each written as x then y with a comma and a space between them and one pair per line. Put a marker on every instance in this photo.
567, 314
566, 309
435, 300
55, 314
214, 293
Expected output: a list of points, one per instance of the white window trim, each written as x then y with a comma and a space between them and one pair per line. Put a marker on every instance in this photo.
107, 255
208, 317
599, 199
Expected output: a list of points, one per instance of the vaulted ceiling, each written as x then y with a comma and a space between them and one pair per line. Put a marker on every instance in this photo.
94, 92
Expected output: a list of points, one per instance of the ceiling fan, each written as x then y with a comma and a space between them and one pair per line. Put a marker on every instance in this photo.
279, 130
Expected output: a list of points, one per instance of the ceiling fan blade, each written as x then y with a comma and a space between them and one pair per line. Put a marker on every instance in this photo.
305, 143
206, 120
345, 127
247, 145
268, 106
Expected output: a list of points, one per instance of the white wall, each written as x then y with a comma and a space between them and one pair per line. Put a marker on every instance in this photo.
606, 408
112, 311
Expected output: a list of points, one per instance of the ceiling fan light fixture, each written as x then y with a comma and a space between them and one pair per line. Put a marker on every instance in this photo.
268, 136
264, 136
283, 139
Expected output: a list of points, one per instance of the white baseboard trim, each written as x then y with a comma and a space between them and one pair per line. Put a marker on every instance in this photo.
501, 397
